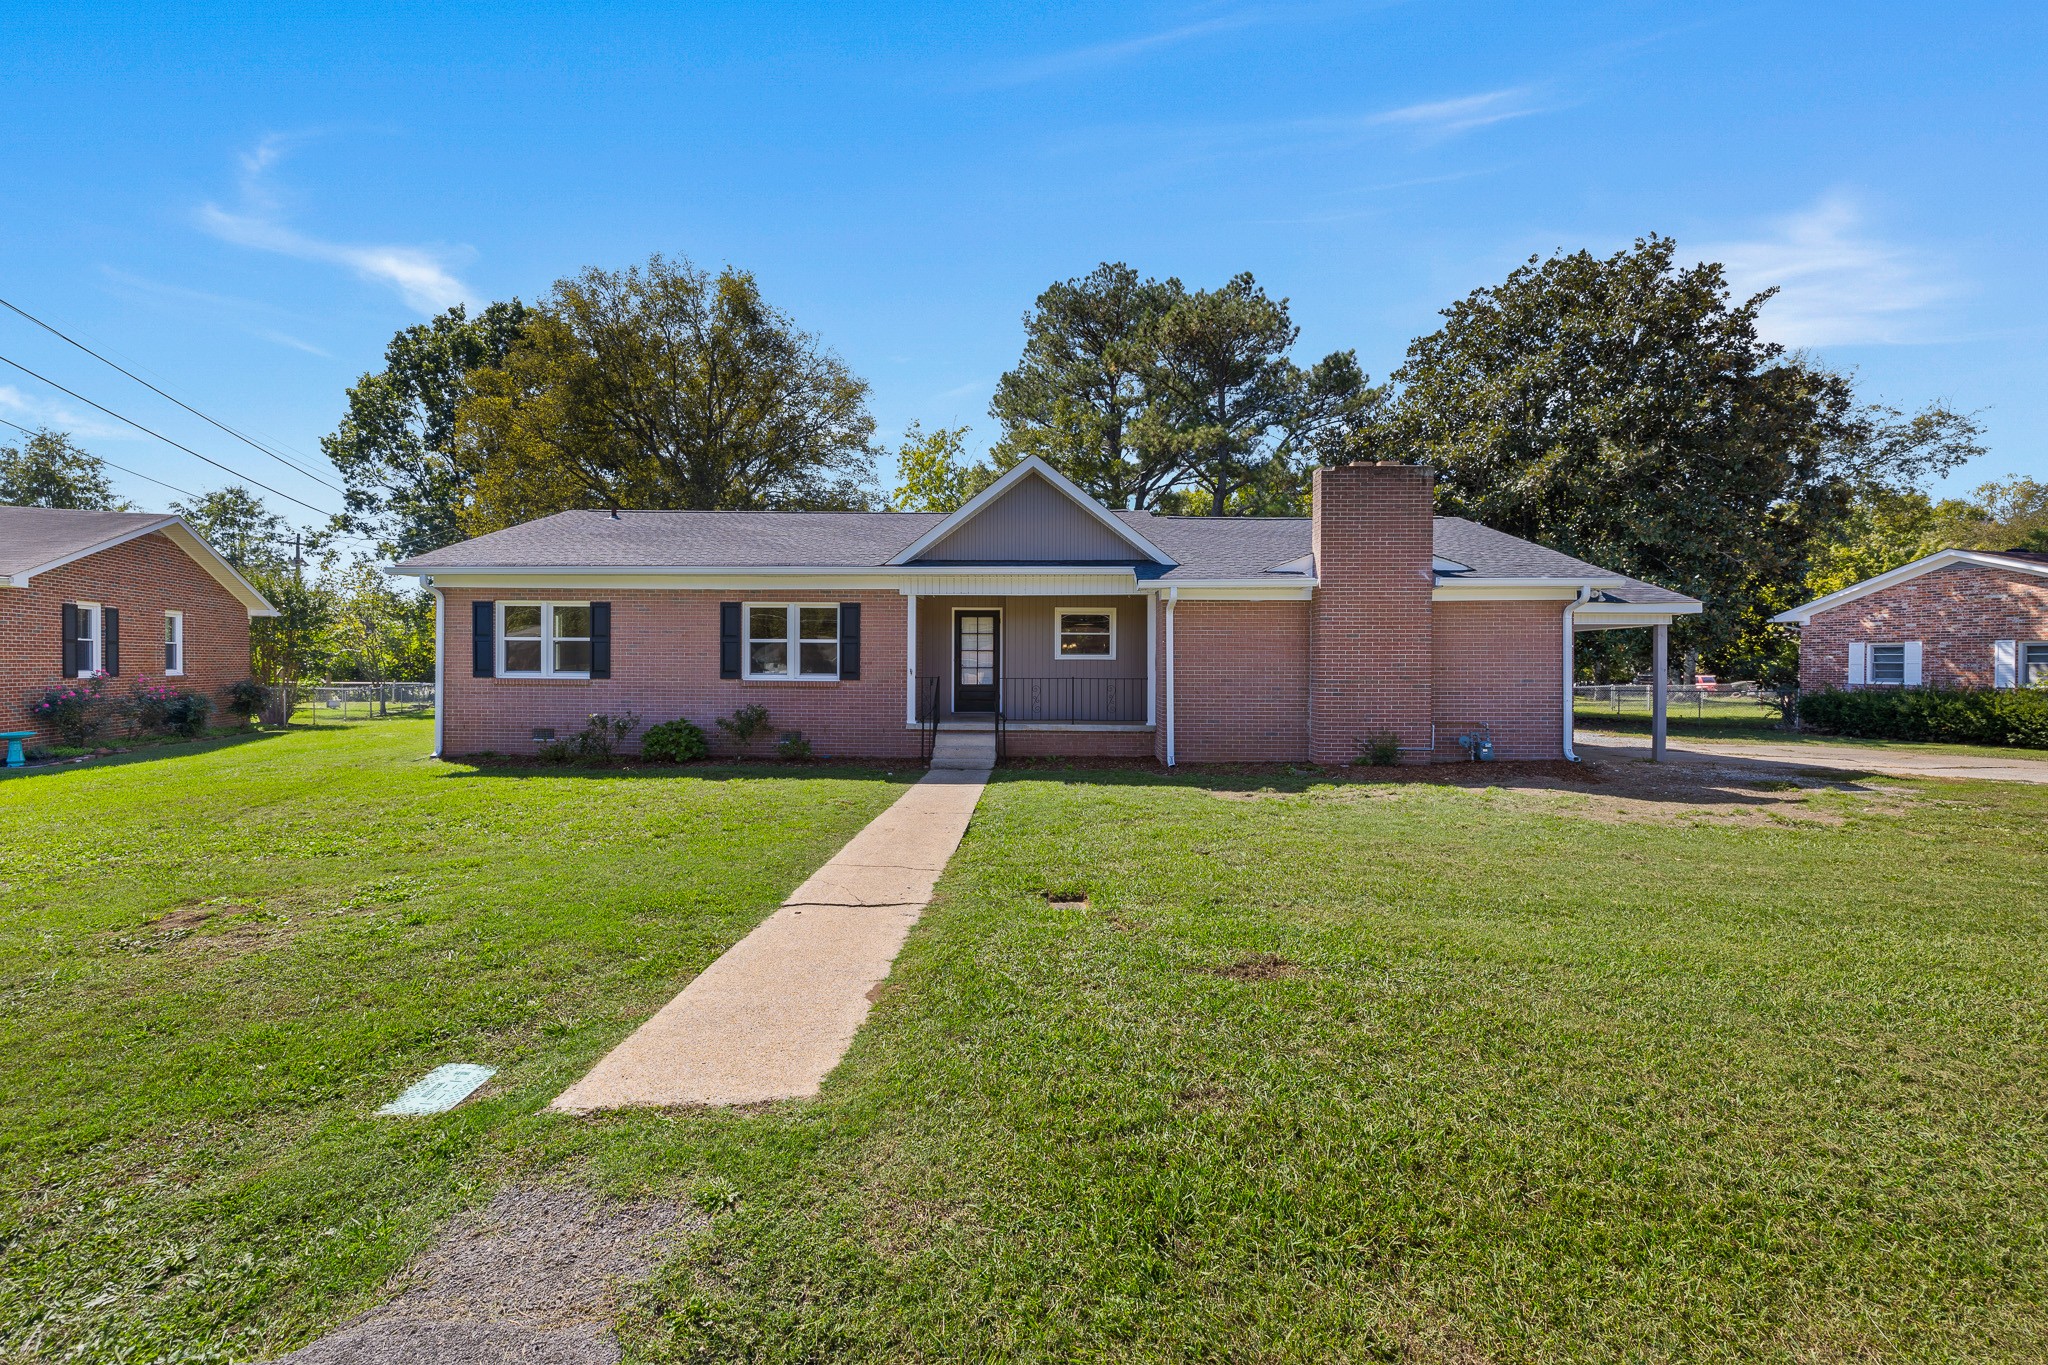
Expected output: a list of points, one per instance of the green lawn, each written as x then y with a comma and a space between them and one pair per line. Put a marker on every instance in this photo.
1365, 1071
1743, 721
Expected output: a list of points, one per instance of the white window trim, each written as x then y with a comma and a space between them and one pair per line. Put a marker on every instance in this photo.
174, 623
793, 629
2021, 649
88, 667
1058, 612
547, 642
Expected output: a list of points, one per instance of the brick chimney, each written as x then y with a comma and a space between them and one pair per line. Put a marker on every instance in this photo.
1369, 625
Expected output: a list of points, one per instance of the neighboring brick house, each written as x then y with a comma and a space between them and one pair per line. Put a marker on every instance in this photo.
1094, 632
133, 594
1959, 618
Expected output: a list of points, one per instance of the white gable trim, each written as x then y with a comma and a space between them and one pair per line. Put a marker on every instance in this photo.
180, 535
1905, 573
1030, 465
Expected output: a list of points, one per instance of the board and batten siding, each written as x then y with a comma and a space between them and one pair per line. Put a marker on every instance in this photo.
1033, 523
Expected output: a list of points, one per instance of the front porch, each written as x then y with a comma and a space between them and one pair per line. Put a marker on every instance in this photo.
1038, 663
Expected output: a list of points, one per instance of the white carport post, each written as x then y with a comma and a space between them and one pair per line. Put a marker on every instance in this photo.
1660, 650
910, 716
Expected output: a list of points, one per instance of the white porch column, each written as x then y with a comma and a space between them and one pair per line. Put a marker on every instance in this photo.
1171, 594
1151, 657
910, 662
1660, 649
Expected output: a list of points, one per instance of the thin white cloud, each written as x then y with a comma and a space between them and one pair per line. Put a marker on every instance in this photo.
1447, 118
423, 276
1837, 284
1095, 56
31, 410
238, 312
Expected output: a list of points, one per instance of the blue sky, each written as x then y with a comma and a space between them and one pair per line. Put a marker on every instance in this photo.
245, 204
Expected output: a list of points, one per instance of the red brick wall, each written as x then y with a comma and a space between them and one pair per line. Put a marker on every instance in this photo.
1500, 664
1079, 743
142, 579
1956, 613
665, 665
1369, 627
1240, 682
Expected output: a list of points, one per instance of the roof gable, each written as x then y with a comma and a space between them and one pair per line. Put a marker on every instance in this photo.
1905, 573
1032, 515
35, 540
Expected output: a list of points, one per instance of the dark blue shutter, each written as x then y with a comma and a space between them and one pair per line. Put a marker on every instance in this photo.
69, 625
600, 639
849, 641
728, 639
483, 632
110, 649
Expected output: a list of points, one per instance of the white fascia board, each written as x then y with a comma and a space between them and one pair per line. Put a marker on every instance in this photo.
1462, 591
958, 580
1031, 464
180, 535
1940, 559
1627, 615
1221, 591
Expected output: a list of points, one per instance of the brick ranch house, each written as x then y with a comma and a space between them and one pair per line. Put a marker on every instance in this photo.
1959, 618
1096, 632
133, 594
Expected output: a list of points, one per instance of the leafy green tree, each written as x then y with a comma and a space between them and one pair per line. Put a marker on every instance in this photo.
243, 531
379, 632
1625, 410
50, 470
1086, 377
295, 647
933, 473
395, 445
663, 387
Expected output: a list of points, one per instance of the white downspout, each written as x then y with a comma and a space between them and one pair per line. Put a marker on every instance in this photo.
440, 670
1172, 595
1570, 647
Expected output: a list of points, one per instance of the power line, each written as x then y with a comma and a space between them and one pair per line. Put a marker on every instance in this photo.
165, 439
110, 464
245, 440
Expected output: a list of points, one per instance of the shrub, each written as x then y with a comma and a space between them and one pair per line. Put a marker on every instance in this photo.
2006, 716
674, 741
1381, 751
793, 745
247, 698
76, 711
745, 723
599, 739
160, 709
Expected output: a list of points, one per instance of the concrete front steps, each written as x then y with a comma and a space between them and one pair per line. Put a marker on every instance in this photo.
968, 747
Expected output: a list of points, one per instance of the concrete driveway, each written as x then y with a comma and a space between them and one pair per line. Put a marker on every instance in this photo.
1846, 757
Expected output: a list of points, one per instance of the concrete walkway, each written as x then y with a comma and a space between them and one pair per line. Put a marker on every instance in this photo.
1861, 758
768, 1019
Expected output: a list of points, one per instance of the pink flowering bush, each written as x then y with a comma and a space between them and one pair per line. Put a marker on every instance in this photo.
158, 708
76, 712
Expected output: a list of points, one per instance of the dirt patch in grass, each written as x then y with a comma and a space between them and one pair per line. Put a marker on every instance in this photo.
536, 1276
1257, 967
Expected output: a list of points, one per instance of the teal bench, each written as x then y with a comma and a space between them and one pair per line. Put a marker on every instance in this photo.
14, 739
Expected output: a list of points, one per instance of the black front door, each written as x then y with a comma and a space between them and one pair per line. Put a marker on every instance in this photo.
976, 646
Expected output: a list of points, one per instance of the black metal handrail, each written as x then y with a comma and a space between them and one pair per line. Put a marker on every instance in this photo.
1107, 701
1002, 734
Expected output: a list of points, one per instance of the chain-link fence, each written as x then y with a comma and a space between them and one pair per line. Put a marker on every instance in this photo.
1737, 701
317, 702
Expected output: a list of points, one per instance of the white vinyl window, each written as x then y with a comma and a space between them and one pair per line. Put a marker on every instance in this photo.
1084, 633
1888, 665
89, 639
792, 640
2034, 665
174, 644
544, 639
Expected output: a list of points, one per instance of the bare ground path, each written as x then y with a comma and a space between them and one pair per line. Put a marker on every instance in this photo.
1872, 758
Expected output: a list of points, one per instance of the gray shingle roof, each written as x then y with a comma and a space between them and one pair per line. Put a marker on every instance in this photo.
1206, 549
31, 537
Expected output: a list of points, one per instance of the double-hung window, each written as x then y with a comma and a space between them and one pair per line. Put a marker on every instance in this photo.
1084, 633
89, 639
174, 644
2034, 665
1888, 665
792, 640
544, 639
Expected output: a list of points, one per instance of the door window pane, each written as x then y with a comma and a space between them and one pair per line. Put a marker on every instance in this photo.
977, 644
1888, 663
